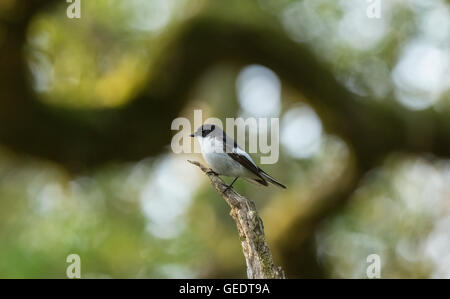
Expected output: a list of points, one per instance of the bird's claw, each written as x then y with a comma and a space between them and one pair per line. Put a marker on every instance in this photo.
227, 188
210, 171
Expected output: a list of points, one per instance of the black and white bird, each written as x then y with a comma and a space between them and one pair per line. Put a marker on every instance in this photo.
226, 158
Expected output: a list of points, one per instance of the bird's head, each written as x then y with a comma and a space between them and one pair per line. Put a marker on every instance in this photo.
204, 130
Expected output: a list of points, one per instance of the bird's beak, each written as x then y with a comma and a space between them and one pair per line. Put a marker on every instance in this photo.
192, 135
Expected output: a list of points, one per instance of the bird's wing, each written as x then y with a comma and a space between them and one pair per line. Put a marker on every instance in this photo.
239, 155
229, 145
231, 148
245, 160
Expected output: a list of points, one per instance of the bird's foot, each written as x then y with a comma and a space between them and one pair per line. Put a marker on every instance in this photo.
210, 171
231, 185
227, 188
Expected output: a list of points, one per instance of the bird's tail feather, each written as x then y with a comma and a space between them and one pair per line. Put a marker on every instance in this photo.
271, 179
256, 181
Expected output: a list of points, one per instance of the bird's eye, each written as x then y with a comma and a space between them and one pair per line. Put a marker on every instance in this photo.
206, 129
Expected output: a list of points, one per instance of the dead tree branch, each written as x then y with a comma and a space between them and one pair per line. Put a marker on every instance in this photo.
250, 227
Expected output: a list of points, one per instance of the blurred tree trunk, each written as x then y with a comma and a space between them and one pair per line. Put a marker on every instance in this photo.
78, 138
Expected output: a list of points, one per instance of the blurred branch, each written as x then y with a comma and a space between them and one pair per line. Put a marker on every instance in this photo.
250, 227
78, 138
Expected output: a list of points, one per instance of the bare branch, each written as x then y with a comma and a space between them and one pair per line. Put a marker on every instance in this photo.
250, 227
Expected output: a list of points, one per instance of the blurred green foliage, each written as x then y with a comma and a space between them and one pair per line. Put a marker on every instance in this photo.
159, 217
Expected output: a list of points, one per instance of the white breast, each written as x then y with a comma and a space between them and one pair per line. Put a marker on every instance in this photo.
219, 161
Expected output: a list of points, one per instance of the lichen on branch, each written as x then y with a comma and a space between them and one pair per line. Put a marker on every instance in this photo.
250, 228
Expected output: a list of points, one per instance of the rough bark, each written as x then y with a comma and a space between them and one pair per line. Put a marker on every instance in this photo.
250, 227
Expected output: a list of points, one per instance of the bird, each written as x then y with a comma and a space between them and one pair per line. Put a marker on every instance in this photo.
226, 158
